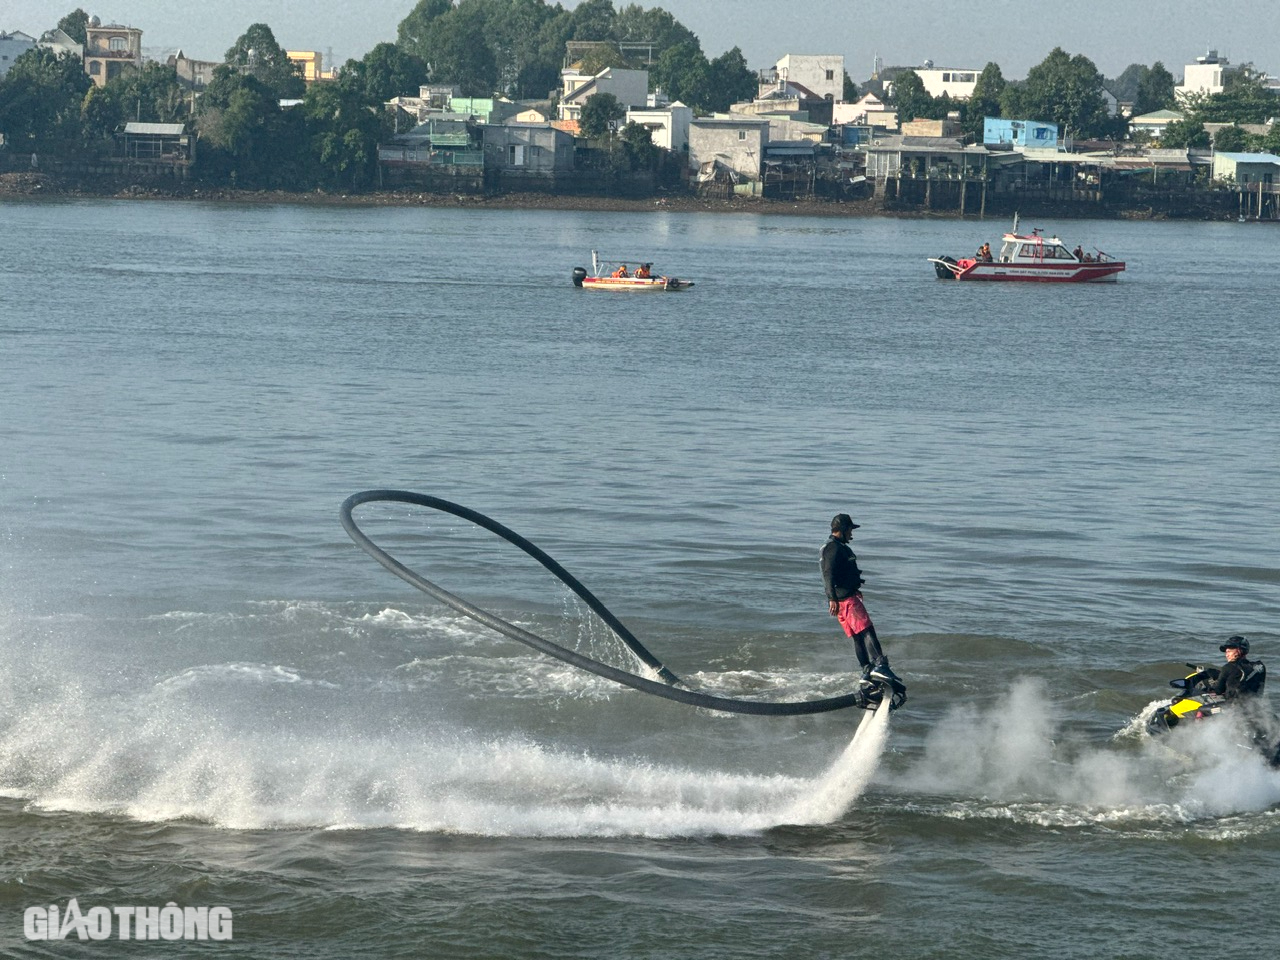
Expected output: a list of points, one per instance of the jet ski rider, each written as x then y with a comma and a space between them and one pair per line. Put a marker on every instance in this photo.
843, 581
1239, 676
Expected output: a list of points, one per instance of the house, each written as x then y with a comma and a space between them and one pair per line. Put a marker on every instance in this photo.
956, 83
733, 144
483, 109
1247, 168
527, 154
821, 76
110, 49
668, 126
1019, 133
192, 74
1153, 124
60, 44
630, 87
869, 111
531, 115
949, 127
12, 46
1203, 76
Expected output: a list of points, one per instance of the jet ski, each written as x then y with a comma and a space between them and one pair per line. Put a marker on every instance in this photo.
1196, 702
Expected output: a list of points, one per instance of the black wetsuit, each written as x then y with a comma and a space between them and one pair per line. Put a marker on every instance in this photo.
843, 579
840, 573
1239, 678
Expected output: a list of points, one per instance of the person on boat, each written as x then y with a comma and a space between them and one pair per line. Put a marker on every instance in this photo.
621, 271
984, 253
843, 582
1078, 252
1239, 676
642, 272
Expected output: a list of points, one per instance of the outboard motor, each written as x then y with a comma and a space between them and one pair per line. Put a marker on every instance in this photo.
579, 274
942, 270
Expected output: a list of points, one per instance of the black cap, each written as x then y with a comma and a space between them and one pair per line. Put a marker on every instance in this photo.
842, 521
1236, 641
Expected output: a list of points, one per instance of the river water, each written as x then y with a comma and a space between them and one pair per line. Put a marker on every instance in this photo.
209, 696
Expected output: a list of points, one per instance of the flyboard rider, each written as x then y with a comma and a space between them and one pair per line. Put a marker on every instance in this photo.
843, 581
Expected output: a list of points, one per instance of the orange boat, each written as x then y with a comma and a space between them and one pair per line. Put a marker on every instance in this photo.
620, 278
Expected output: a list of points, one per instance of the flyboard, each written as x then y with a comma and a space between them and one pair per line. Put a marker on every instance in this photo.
662, 682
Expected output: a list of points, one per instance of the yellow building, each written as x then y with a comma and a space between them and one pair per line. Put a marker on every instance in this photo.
312, 65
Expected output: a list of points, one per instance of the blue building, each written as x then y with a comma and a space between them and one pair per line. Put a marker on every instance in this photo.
1019, 133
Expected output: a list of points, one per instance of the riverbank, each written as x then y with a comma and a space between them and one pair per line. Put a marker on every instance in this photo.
35, 184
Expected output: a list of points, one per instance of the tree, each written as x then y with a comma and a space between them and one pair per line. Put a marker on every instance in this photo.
245, 136
73, 25
1125, 86
342, 135
597, 113
385, 72
635, 24
729, 81
461, 54
256, 52
413, 35
41, 96
593, 20
637, 140
1066, 90
683, 73
1232, 139
1184, 134
1155, 90
1245, 98
850, 94
910, 98
985, 100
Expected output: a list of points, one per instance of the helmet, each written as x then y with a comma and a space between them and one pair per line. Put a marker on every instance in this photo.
1236, 641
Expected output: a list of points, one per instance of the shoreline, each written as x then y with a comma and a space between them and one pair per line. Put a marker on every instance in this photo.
35, 185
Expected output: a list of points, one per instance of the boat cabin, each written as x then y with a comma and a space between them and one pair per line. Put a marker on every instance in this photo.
1034, 249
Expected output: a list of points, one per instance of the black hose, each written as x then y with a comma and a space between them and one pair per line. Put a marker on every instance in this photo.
664, 689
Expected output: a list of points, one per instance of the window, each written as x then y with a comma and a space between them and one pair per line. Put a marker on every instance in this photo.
95, 68
742, 134
119, 43
831, 74
515, 154
946, 78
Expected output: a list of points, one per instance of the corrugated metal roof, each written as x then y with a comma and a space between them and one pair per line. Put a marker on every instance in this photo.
154, 129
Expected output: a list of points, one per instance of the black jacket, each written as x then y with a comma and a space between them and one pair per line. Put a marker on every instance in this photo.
1240, 678
840, 573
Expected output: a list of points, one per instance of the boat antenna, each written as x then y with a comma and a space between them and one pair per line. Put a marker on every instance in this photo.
1015, 221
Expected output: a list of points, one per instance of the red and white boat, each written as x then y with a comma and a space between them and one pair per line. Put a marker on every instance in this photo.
614, 275
1032, 257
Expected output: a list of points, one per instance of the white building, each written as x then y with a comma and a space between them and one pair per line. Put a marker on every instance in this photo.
1203, 76
668, 126
822, 75
61, 44
733, 143
956, 83
12, 46
631, 87
870, 110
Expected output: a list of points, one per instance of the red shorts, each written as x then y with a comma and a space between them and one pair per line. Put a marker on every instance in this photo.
853, 616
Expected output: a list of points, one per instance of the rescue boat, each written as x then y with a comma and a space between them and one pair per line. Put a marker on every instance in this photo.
1032, 257
614, 275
